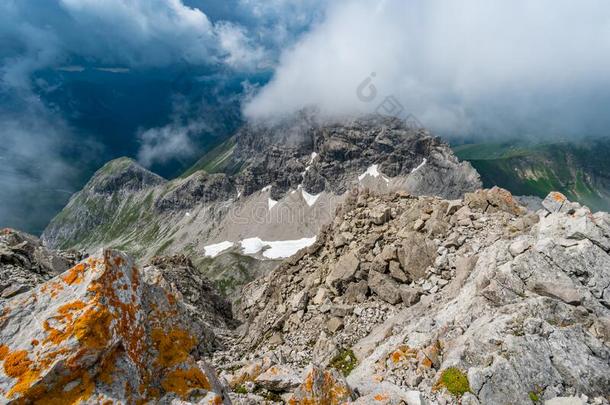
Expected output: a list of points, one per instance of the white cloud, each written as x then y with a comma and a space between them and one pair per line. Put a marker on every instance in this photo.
172, 141
151, 32
468, 66
240, 51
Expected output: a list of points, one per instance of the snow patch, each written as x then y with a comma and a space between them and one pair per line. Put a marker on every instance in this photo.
372, 171
310, 199
266, 188
216, 248
275, 249
252, 246
313, 157
420, 166
271, 203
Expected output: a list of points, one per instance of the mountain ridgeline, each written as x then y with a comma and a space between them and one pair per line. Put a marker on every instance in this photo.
277, 183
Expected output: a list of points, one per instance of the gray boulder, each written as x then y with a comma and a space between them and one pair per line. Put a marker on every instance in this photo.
385, 287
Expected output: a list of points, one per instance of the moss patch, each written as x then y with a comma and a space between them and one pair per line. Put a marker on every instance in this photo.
534, 396
345, 362
455, 381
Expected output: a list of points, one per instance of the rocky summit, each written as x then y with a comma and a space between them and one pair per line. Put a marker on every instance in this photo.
402, 299
421, 300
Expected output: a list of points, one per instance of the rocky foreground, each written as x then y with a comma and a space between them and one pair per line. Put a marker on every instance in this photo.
402, 299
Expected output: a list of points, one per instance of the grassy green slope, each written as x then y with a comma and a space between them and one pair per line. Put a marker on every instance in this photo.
216, 160
580, 170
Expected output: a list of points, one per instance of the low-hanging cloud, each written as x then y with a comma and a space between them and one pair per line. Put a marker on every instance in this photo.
468, 67
174, 140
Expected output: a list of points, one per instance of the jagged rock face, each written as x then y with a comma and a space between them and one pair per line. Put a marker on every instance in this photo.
280, 155
102, 331
198, 188
511, 306
203, 304
24, 262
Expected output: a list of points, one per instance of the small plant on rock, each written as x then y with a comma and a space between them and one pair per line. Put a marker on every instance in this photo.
345, 362
455, 381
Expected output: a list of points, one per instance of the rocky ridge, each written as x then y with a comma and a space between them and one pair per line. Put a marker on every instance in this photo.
277, 182
401, 299
424, 300
26, 262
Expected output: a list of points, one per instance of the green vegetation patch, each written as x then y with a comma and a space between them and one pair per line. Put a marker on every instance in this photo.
216, 160
345, 362
455, 381
534, 396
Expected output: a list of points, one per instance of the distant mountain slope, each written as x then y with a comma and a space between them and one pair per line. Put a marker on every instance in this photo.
580, 169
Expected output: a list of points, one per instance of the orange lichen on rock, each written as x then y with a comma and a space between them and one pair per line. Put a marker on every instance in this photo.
17, 365
92, 328
71, 390
55, 288
182, 381
115, 325
321, 387
63, 321
173, 347
381, 397
403, 352
3, 351
557, 196
108, 366
75, 275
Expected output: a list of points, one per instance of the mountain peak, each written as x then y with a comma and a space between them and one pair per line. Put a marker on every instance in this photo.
123, 174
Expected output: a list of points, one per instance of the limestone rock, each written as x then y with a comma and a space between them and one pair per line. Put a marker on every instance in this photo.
25, 262
554, 201
410, 295
563, 291
416, 254
507, 302
101, 331
494, 199
386, 288
380, 215
356, 292
334, 324
397, 273
278, 378
322, 387
343, 271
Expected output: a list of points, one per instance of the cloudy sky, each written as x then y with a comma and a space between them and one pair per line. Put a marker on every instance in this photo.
84, 81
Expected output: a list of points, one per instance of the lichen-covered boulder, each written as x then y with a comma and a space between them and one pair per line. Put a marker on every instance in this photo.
101, 332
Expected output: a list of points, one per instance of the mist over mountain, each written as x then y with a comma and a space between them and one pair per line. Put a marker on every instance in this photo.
84, 82
485, 68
